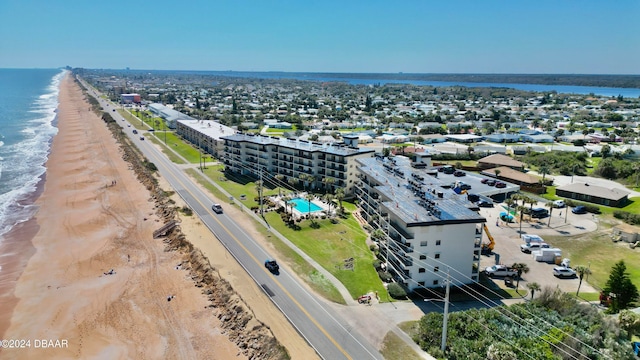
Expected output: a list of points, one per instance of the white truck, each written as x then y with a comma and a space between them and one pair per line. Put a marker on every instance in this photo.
532, 246
500, 271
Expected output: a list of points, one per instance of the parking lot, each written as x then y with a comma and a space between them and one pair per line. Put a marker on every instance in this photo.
508, 241
477, 187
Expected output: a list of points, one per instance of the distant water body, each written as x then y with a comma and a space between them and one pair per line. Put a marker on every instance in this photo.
28, 104
565, 89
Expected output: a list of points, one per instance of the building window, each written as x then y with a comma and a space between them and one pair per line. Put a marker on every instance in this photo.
421, 270
424, 243
420, 283
423, 257
435, 282
437, 256
435, 269
438, 242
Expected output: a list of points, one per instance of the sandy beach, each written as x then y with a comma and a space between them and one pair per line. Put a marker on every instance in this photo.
94, 216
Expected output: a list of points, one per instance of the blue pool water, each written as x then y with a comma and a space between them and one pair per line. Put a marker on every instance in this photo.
302, 205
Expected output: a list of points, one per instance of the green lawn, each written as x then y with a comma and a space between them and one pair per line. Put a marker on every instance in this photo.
597, 251
159, 139
329, 245
315, 279
393, 347
186, 150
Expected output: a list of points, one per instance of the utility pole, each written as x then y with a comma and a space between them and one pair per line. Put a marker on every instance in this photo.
260, 194
445, 319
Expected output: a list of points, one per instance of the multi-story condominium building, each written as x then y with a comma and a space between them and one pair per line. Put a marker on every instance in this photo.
430, 231
300, 160
204, 134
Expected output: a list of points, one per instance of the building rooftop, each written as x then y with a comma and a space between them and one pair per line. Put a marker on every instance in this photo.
595, 191
329, 148
499, 159
210, 128
418, 198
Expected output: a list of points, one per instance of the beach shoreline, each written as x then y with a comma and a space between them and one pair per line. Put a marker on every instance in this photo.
93, 216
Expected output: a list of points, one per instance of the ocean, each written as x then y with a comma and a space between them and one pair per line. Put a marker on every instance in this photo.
28, 104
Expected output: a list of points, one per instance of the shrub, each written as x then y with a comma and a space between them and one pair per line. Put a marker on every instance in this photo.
396, 291
186, 210
377, 264
629, 218
384, 276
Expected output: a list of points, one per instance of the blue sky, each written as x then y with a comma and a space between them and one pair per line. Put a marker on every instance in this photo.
448, 36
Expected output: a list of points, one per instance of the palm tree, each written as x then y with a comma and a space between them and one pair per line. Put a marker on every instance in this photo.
521, 268
309, 197
544, 170
534, 286
327, 181
531, 202
549, 204
329, 199
259, 189
521, 209
279, 177
509, 202
581, 270
497, 172
292, 181
339, 196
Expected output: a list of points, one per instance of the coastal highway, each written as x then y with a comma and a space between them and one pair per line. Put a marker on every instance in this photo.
326, 332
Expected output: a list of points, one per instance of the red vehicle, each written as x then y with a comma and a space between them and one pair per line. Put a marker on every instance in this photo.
501, 185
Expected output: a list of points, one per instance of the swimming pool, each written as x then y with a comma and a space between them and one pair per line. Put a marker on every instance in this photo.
302, 205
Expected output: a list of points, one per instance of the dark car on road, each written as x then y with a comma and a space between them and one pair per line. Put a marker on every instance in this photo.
485, 203
459, 173
491, 182
272, 266
579, 210
135, 131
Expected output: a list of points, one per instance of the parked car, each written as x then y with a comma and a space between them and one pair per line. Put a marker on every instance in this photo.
217, 208
579, 210
272, 266
484, 180
485, 203
501, 185
459, 173
559, 204
491, 182
539, 213
141, 137
464, 186
564, 272
500, 271
532, 246
473, 197
448, 169
135, 131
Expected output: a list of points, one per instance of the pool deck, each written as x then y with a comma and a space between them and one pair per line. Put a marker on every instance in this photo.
324, 207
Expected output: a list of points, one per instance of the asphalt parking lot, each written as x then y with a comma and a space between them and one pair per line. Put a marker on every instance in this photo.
508, 241
477, 187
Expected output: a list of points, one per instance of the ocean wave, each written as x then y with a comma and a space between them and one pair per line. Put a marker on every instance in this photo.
28, 159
